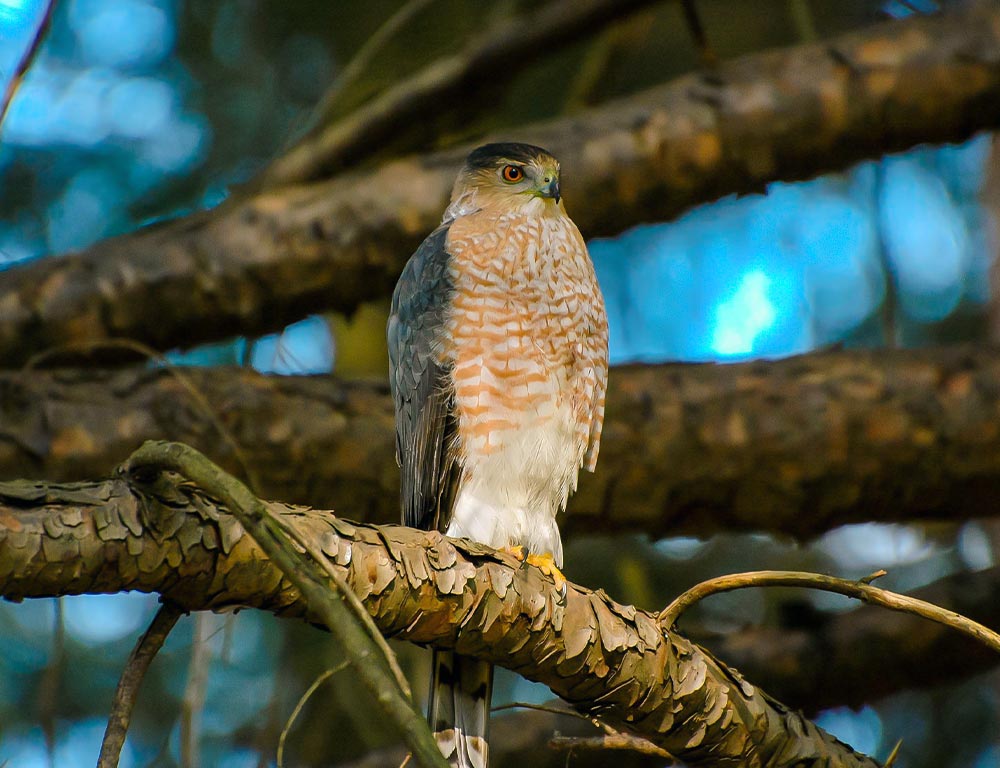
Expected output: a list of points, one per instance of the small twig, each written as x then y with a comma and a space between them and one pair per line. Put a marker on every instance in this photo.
173, 370
618, 740
362, 59
612, 738
697, 29
546, 708
193, 701
909, 6
598, 60
228, 628
802, 18
323, 677
891, 759
890, 315
50, 682
131, 679
872, 576
27, 59
351, 599
857, 589
328, 598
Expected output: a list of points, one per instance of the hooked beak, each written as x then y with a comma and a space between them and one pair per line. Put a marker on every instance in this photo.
550, 188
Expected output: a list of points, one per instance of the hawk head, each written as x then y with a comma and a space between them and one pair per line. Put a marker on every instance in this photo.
507, 175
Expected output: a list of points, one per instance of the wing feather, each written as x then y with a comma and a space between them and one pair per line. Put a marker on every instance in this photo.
422, 387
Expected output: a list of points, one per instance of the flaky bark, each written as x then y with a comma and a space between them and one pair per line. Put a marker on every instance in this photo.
254, 264
161, 534
813, 659
794, 446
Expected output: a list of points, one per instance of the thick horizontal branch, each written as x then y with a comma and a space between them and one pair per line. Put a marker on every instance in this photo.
795, 446
256, 263
159, 533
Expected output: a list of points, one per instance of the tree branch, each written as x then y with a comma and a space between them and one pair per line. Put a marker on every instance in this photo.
131, 679
612, 738
621, 742
819, 660
27, 59
496, 55
324, 588
809, 658
795, 446
861, 590
254, 264
159, 533
322, 678
522, 738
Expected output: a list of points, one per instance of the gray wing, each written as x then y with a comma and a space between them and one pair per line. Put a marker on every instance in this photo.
422, 388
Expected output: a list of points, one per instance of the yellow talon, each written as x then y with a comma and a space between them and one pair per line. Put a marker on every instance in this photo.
516, 551
546, 564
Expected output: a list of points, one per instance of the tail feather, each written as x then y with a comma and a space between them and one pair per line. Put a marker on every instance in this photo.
459, 711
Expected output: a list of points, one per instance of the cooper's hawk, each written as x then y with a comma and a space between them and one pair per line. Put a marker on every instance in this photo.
498, 363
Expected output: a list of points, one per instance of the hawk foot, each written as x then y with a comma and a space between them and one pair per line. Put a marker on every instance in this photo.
546, 564
516, 551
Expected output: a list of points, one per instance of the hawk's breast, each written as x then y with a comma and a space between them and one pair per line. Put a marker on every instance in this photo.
527, 341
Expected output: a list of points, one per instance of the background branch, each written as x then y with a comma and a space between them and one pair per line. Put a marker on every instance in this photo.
486, 60
795, 446
609, 741
522, 738
862, 590
322, 678
819, 660
26, 60
195, 690
131, 679
256, 263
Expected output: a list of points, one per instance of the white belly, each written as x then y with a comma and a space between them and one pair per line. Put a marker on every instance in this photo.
511, 496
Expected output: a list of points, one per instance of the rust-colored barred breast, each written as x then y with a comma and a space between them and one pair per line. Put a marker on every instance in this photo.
527, 331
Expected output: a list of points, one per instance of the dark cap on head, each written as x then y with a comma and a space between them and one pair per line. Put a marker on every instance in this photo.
488, 155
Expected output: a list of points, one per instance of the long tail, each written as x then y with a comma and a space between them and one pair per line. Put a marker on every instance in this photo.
459, 710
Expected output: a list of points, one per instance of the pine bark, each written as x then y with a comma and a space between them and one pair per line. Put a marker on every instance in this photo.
155, 532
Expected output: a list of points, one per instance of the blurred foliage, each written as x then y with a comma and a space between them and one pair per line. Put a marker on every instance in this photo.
139, 109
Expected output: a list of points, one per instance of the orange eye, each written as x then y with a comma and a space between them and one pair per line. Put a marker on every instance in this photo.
512, 174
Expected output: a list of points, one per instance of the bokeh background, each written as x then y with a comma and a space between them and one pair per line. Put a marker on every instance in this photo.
137, 110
